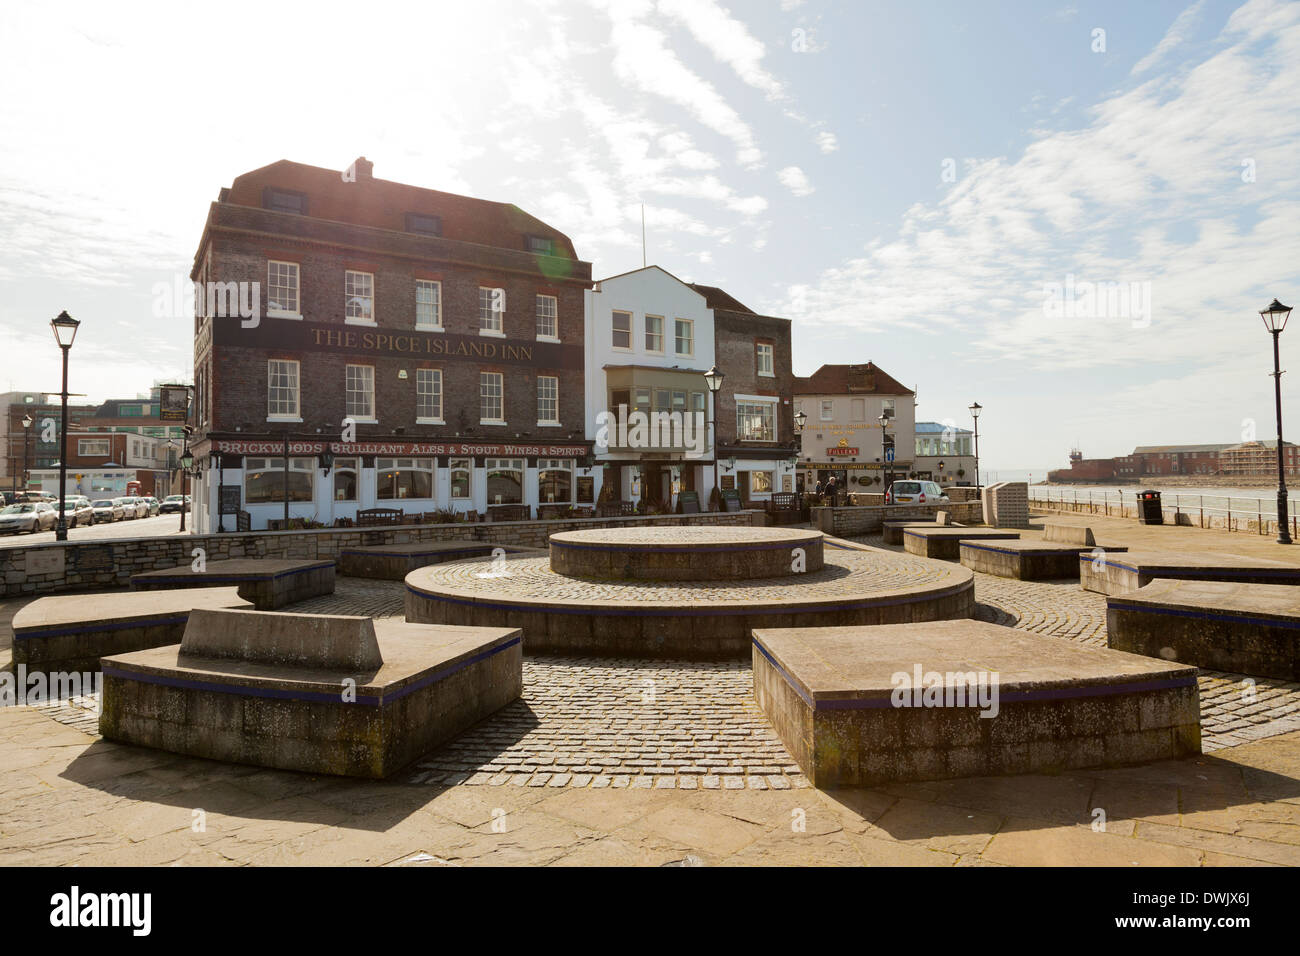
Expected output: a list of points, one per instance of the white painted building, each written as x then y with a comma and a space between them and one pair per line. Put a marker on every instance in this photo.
649, 341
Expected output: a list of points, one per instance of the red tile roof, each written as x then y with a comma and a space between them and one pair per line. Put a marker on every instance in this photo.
383, 204
845, 379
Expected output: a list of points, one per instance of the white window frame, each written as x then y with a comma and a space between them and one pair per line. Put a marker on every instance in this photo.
350, 295
348, 389
106, 444
764, 400
496, 318
424, 465
271, 286
765, 349
436, 286
281, 416
455, 465
826, 409
659, 334
545, 465
690, 324
554, 384
615, 331
489, 380
554, 334
888, 407
434, 376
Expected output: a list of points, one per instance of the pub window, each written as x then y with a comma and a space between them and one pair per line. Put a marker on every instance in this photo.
554, 480
345, 479
643, 400
401, 478
887, 406
359, 397
685, 337
654, 333
548, 400
491, 310
428, 304
264, 480
622, 330
541, 245
428, 395
505, 481
359, 298
490, 395
281, 289
281, 389
424, 225
619, 397
760, 482
460, 470
828, 410
756, 421
699, 402
546, 317
763, 354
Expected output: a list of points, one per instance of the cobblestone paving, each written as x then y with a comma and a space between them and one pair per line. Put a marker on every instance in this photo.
846, 573
598, 722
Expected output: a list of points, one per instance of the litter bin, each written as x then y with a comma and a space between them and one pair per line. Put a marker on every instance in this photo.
1149, 510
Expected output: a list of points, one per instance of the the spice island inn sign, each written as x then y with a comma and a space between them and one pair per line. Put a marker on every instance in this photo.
395, 344
414, 449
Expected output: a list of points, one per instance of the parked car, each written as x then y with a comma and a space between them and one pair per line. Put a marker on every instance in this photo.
914, 492
108, 509
77, 511
152, 505
129, 510
28, 516
172, 504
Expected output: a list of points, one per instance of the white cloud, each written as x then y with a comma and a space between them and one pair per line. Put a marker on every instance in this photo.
726, 38
827, 142
1175, 36
795, 180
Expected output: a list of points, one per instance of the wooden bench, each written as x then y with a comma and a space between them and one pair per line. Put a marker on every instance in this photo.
509, 513
374, 517
784, 507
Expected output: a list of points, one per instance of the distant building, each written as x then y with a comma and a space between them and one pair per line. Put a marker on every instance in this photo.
1254, 459
1258, 458
842, 435
944, 454
1084, 469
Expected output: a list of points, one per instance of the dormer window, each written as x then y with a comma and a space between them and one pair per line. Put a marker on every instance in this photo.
424, 225
284, 200
540, 245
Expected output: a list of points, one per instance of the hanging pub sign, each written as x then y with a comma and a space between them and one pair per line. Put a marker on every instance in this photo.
174, 403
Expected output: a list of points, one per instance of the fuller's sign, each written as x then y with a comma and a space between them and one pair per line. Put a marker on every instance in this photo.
843, 450
413, 449
394, 343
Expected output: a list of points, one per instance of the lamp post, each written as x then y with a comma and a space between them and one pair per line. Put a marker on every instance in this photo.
27, 430
1275, 315
65, 332
713, 379
884, 449
800, 420
187, 462
975, 410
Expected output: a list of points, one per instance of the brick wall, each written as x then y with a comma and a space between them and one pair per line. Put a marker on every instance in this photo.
735, 335
868, 519
111, 562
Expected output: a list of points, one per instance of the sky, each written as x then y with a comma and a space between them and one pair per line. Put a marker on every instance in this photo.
937, 187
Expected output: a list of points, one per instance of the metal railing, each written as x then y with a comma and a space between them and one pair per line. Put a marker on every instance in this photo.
1236, 512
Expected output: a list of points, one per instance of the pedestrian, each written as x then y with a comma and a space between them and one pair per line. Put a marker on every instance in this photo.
818, 489
831, 488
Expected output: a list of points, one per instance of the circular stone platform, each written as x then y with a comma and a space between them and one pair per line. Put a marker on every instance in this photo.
702, 620
690, 553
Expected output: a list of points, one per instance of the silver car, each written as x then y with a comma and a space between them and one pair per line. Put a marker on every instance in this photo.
77, 511
108, 509
129, 507
28, 516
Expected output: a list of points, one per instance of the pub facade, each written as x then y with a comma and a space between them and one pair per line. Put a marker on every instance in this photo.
364, 344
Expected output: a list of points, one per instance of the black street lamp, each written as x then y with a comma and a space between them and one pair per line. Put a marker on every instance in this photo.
27, 430
884, 450
713, 379
187, 462
65, 332
800, 420
975, 410
1275, 315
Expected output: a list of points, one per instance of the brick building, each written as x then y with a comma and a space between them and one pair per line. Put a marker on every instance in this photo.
413, 348
1259, 458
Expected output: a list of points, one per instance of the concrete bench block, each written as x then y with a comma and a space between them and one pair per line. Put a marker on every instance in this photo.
1240, 628
852, 706
945, 542
431, 683
1124, 573
269, 583
72, 632
393, 562
1026, 560
1065, 534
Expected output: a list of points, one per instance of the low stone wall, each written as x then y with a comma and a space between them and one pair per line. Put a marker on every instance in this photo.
108, 563
867, 519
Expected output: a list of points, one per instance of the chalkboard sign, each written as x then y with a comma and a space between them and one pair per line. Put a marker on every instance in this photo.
731, 500
243, 521
688, 503
230, 500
